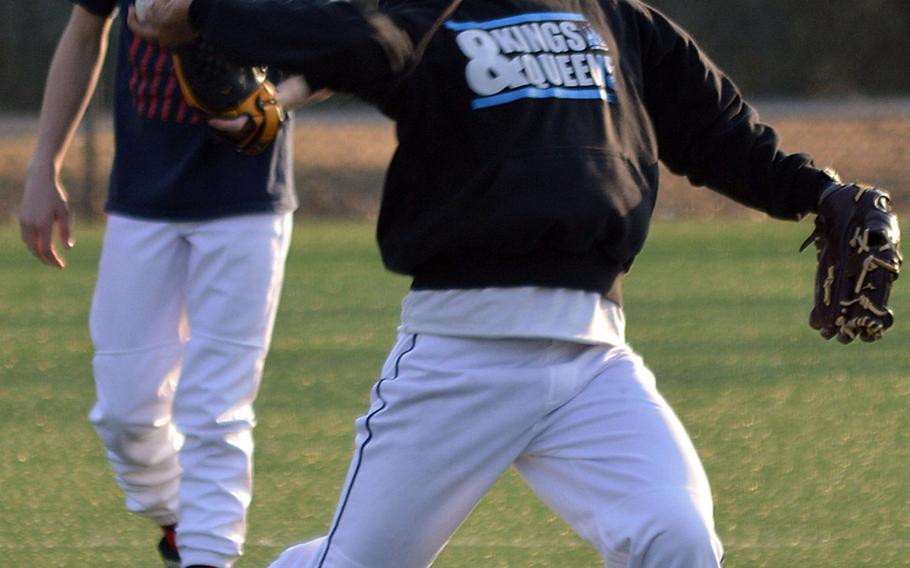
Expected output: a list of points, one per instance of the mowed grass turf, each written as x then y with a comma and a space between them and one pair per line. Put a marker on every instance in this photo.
806, 442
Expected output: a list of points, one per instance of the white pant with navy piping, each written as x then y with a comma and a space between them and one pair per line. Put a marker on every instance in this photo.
584, 426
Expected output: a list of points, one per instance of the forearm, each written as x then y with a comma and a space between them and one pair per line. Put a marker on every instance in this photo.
294, 92
71, 81
332, 44
737, 155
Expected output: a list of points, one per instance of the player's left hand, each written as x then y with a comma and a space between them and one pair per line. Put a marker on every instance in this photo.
858, 241
164, 21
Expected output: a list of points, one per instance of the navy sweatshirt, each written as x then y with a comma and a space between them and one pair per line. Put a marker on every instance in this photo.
529, 131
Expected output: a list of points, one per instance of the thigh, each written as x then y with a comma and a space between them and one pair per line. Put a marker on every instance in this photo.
616, 456
447, 418
236, 271
139, 294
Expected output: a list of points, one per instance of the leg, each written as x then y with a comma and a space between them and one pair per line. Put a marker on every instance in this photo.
135, 327
236, 270
299, 555
447, 418
617, 465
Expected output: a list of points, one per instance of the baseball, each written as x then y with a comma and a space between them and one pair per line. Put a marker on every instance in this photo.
141, 8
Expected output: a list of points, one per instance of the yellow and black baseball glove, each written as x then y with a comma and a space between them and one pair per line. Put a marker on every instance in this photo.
219, 88
857, 238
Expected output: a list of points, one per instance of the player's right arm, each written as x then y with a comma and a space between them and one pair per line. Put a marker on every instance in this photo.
70, 83
315, 39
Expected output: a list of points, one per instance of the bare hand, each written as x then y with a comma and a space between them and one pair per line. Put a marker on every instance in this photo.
43, 207
165, 21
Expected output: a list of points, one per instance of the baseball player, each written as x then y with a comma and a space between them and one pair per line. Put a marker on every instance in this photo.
187, 289
521, 191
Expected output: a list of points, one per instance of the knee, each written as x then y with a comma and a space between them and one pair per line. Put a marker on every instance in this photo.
132, 439
208, 422
678, 533
684, 537
120, 421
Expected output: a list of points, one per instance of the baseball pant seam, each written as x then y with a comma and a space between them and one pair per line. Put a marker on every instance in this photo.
226, 340
141, 349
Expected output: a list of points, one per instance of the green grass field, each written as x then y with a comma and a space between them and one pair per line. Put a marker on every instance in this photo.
807, 442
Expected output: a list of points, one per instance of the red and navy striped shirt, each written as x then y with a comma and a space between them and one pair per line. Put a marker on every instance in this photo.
154, 92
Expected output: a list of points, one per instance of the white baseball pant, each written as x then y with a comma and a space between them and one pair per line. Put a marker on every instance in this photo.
584, 425
181, 322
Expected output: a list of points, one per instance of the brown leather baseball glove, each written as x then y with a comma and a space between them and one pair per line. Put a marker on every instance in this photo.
857, 238
220, 88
